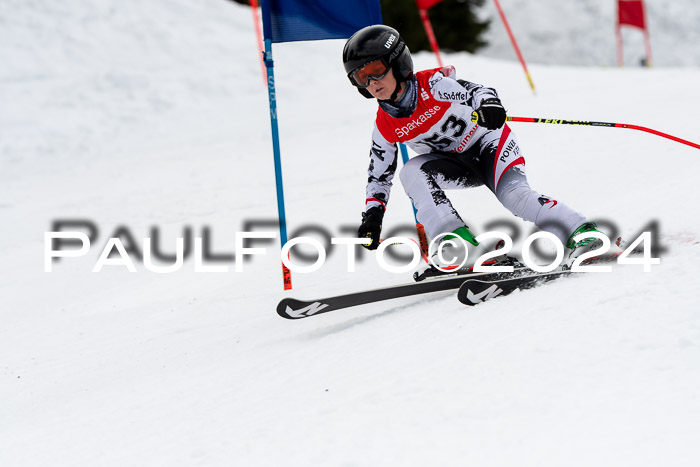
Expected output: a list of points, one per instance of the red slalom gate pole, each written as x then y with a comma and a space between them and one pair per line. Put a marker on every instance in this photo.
431, 35
515, 44
605, 124
259, 37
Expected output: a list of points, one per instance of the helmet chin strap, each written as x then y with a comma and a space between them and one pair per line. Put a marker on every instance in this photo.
396, 91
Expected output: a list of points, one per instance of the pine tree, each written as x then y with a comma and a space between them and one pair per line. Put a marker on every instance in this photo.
454, 22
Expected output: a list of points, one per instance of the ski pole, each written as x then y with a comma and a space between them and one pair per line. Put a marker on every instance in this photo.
587, 123
423, 254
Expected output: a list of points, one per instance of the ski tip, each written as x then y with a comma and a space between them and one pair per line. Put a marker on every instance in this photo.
473, 291
285, 310
291, 308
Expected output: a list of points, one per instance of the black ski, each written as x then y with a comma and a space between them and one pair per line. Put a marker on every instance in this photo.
474, 288
501, 260
478, 290
291, 308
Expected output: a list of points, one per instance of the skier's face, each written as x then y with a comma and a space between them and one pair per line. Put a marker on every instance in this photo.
382, 89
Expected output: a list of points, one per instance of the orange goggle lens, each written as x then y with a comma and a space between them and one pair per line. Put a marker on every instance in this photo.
373, 70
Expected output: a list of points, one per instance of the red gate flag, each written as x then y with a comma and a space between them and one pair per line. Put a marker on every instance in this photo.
631, 13
427, 4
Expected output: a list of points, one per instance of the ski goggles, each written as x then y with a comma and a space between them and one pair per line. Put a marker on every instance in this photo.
375, 70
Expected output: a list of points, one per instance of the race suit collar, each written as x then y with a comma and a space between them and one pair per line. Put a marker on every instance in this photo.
406, 104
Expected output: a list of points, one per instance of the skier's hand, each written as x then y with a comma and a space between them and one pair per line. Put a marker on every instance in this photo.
490, 114
371, 226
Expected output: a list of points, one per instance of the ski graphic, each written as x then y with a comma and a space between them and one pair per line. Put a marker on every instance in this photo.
474, 291
292, 308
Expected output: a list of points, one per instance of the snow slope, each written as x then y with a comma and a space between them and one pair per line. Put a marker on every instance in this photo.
582, 32
154, 114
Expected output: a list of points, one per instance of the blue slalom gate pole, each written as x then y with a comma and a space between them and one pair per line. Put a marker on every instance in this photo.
269, 66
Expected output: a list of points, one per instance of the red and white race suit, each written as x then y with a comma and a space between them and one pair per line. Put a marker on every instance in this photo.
454, 152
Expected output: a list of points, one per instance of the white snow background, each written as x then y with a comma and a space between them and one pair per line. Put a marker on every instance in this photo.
154, 114
582, 32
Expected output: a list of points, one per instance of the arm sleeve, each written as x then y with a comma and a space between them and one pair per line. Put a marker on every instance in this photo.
382, 167
476, 93
445, 87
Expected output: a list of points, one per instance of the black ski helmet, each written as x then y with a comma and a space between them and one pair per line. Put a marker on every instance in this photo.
373, 43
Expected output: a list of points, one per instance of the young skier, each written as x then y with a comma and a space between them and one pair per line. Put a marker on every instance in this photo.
431, 112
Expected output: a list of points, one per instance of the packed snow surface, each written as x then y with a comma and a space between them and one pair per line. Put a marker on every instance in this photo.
150, 119
583, 32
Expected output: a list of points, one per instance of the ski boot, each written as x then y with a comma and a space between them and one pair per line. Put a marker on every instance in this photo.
448, 256
590, 244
